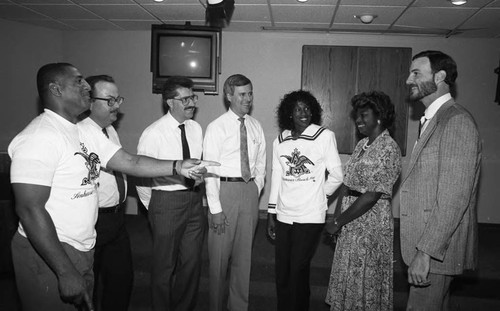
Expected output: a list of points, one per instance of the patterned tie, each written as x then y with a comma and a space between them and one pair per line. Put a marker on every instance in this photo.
120, 182
245, 166
186, 154
421, 125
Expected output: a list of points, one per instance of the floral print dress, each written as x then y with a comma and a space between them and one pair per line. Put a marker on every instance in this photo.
361, 275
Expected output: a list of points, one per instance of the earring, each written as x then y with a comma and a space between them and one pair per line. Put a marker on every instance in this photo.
378, 121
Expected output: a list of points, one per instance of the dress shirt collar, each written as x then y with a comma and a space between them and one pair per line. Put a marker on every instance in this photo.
434, 107
236, 117
172, 122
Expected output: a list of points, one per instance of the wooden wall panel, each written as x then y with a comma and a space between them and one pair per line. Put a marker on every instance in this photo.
334, 74
330, 75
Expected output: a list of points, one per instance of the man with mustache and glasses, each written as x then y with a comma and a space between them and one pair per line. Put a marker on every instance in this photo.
113, 271
438, 195
176, 213
55, 177
236, 140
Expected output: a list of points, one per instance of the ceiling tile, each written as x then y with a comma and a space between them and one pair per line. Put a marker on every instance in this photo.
105, 2
60, 11
448, 4
246, 13
311, 14
377, 2
120, 11
434, 17
11, 11
169, 2
177, 12
42, 1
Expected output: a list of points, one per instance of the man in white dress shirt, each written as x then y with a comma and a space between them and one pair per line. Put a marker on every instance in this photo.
233, 191
113, 271
54, 175
176, 214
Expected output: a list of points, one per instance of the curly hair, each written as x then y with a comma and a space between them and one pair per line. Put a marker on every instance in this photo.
285, 109
379, 103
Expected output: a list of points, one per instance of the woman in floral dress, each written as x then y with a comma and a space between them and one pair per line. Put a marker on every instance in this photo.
361, 275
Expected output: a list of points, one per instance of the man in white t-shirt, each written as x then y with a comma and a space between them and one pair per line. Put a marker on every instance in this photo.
54, 173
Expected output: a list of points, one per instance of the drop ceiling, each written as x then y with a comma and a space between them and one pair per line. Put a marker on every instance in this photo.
477, 18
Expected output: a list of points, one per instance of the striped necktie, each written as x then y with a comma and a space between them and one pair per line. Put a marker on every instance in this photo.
245, 165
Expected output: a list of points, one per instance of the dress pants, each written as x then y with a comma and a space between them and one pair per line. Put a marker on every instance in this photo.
435, 297
230, 254
178, 223
113, 270
295, 247
37, 284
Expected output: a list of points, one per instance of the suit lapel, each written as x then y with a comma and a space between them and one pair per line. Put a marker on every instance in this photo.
426, 135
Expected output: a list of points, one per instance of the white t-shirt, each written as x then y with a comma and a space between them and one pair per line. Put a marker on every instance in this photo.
53, 152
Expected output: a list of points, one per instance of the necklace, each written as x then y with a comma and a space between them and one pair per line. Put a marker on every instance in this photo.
366, 146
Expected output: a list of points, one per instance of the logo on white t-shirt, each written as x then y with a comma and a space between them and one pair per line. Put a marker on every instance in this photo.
297, 164
92, 163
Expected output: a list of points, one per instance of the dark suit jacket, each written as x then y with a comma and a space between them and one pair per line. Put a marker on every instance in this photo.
438, 195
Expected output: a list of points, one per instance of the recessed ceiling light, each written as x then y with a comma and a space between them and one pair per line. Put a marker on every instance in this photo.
158, 0
366, 18
302, 0
458, 2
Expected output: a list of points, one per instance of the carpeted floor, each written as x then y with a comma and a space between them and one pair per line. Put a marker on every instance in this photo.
476, 291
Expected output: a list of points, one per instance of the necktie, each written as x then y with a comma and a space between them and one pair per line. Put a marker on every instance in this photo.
186, 154
421, 125
120, 182
245, 166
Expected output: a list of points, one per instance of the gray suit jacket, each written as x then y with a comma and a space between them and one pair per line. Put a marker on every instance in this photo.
438, 195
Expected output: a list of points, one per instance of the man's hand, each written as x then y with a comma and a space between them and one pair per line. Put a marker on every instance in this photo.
194, 168
271, 226
218, 222
73, 289
418, 270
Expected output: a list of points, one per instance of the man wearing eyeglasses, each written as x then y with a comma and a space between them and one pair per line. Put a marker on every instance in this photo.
113, 271
55, 176
176, 214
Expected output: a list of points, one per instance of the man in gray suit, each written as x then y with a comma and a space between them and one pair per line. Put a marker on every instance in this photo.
438, 195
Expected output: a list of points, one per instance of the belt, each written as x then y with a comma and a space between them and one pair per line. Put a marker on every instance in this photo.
354, 193
193, 189
110, 210
234, 179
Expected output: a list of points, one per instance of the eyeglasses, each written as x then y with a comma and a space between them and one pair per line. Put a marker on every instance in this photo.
112, 100
188, 99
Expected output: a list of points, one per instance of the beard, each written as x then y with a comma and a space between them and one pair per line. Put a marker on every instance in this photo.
423, 89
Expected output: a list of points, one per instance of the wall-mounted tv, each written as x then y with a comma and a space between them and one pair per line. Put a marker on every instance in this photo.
185, 50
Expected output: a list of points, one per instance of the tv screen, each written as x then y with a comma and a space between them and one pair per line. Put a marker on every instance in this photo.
185, 56
190, 51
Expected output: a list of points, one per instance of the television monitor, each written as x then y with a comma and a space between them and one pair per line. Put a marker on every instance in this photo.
190, 51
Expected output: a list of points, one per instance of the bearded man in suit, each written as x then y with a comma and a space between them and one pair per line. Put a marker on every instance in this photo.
438, 194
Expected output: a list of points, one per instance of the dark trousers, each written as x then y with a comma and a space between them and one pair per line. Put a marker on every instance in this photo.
295, 248
435, 297
178, 224
37, 284
113, 270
